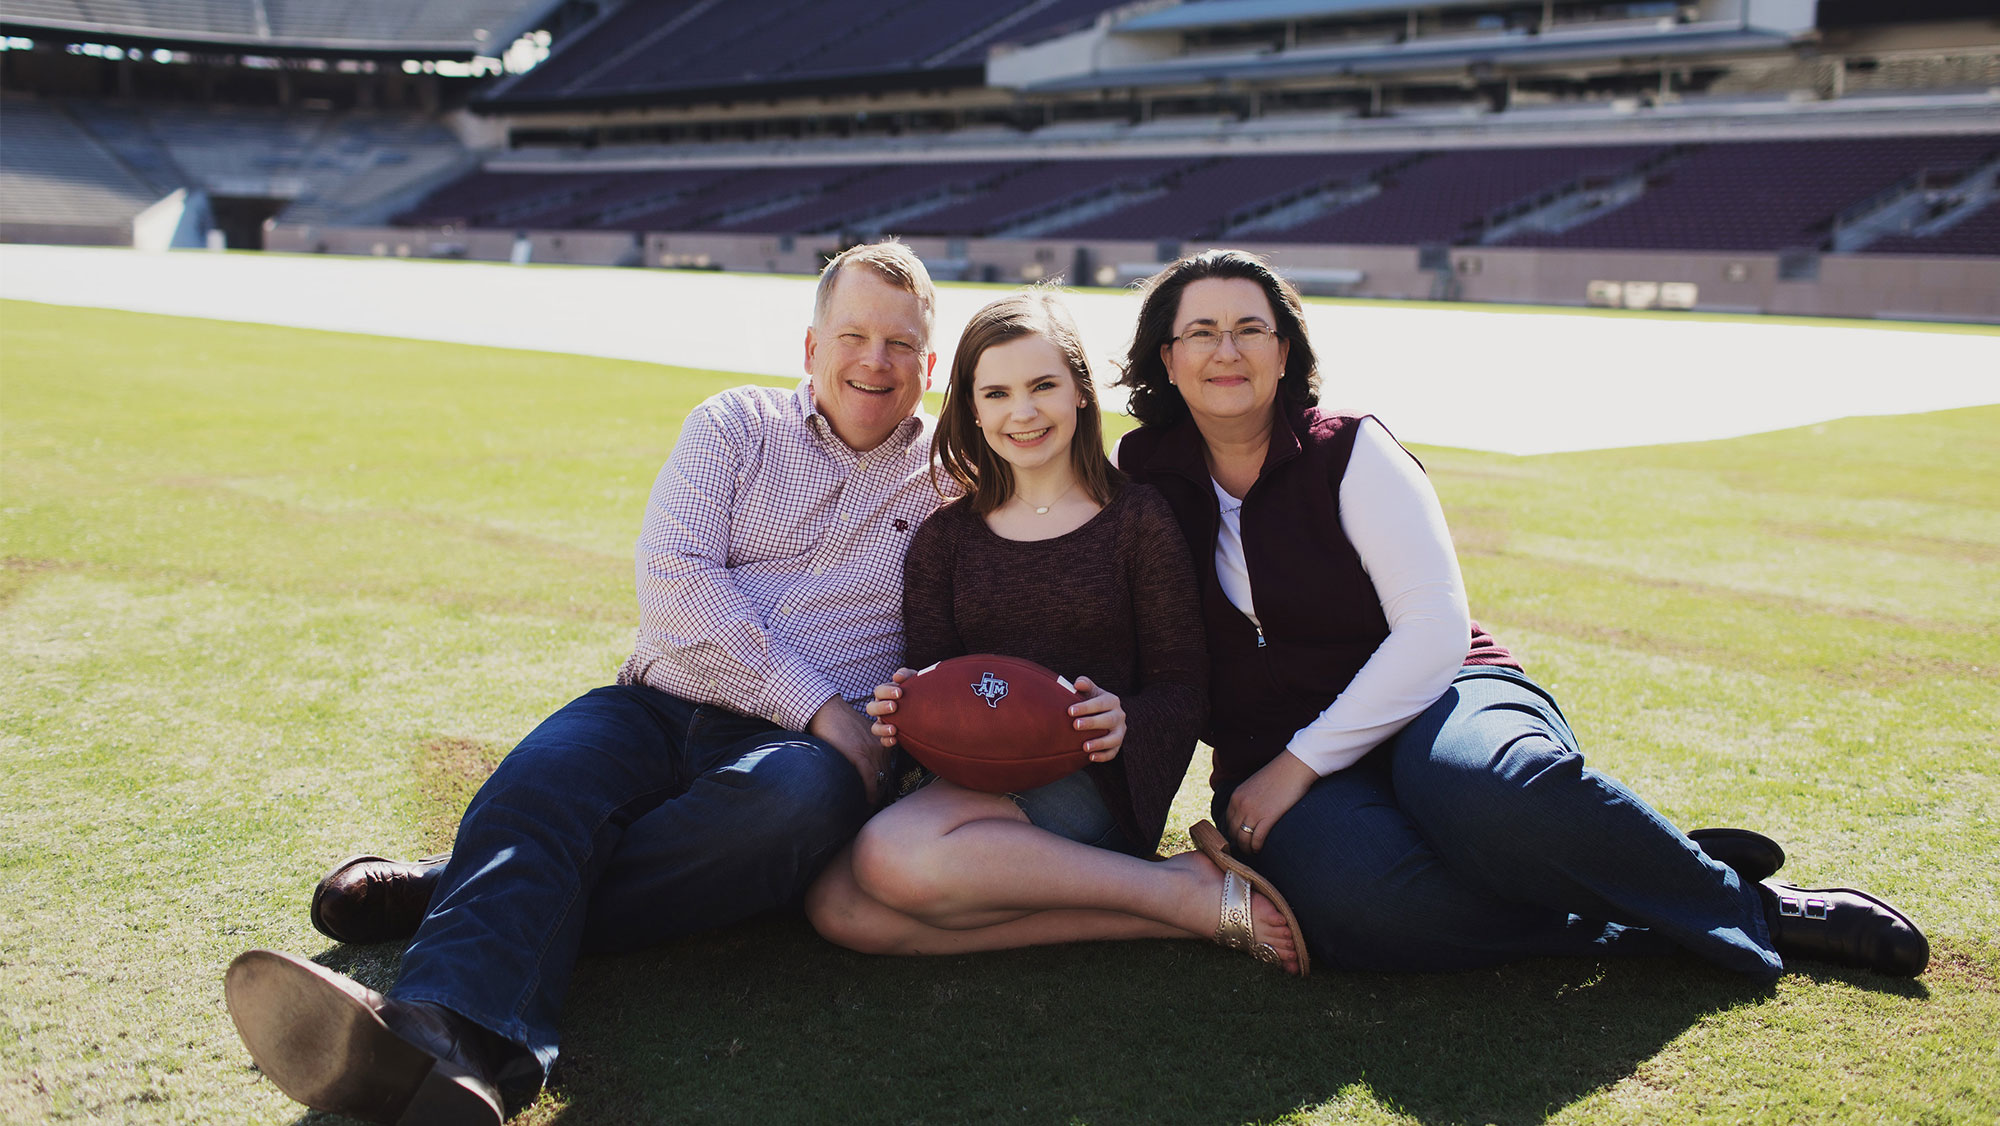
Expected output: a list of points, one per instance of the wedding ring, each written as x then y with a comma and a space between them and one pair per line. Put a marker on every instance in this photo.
1249, 830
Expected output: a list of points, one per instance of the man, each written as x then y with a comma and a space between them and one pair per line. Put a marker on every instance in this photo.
712, 782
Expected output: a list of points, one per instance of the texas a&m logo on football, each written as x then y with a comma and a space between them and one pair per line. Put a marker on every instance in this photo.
990, 688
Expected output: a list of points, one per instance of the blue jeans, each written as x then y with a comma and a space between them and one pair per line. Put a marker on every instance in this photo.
1071, 808
1477, 836
627, 818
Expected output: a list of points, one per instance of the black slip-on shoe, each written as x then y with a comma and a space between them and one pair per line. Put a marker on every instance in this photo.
1844, 926
369, 899
1755, 856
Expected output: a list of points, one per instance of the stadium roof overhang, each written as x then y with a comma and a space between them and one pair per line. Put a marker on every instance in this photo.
141, 35
209, 42
881, 81
1202, 14
1419, 55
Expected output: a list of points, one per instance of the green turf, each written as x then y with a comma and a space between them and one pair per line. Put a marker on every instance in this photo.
271, 597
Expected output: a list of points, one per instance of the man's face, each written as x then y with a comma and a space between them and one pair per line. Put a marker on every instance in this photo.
868, 357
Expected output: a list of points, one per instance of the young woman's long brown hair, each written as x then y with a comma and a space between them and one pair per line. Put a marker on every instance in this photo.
961, 450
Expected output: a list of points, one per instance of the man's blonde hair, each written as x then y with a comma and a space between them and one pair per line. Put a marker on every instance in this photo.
892, 262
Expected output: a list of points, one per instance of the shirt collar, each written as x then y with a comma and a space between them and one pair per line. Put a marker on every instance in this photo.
1182, 450
1229, 503
906, 431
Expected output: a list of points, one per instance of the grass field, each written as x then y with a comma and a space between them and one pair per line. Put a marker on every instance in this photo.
271, 597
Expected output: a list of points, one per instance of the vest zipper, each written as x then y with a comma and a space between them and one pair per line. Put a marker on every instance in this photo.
1258, 626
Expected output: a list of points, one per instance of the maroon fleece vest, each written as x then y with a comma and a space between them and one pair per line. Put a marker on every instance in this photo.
1321, 616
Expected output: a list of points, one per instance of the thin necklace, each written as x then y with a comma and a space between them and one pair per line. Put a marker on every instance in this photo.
1043, 509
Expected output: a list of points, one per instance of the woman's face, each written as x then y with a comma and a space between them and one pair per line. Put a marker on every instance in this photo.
1232, 376
1025, 401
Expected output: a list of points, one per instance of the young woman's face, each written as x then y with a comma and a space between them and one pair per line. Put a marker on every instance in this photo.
1025, 401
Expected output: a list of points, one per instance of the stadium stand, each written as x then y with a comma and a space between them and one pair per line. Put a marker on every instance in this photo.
637, 28
123, 128
1025, 24
206, 19
239, 150
1729, 196
1210, 201
684, 195
1034, 192
322, 166
91, 163
1433, 149
1269, 40
366, 163
492, 199
53, 174
1447, 196
861, 194
1771, 195
1977, 234
656, 46
740, 191
950, 198
1943, 210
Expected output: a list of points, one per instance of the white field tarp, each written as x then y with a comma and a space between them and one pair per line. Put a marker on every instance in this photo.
1520, 383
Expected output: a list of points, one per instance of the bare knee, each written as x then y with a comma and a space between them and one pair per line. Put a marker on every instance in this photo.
826, 900
904, 858
843, 914
892, 866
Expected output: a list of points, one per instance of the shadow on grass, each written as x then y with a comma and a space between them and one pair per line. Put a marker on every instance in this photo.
766, 1023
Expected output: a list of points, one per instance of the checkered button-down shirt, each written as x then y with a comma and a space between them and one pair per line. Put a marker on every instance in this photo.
771, 561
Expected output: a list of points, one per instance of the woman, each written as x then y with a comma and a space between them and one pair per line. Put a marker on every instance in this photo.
1393, 771
1050, 555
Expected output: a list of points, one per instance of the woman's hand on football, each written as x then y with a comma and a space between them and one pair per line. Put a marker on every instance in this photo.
884, 705
1098, 711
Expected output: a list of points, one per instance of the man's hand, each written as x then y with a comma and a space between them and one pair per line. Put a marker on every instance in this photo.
847, 731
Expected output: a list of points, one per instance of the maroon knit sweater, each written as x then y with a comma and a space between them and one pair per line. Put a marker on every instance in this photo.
1113, 600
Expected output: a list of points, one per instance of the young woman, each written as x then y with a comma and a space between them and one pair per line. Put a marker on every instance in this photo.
1050, 555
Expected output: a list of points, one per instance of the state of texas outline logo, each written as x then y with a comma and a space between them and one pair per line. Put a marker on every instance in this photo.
990, 688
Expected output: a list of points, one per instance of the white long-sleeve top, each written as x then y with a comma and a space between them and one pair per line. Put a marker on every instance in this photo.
1391, 515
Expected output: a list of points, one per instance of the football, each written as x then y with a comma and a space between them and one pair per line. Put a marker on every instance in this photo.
991, 723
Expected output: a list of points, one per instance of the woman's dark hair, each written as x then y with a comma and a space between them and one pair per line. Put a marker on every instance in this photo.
1156, 402
962, 451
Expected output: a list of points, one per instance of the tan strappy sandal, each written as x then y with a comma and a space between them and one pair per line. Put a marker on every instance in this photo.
1238, 881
